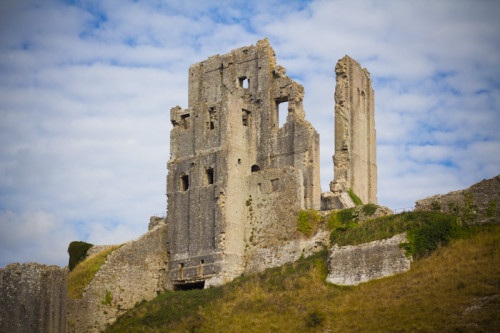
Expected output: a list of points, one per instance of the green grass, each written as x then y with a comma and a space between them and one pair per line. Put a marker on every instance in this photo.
426, 230
454, 289
355, 198
85, 271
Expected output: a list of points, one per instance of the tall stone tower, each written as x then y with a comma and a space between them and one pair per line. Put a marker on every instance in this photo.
355, 140
232, 164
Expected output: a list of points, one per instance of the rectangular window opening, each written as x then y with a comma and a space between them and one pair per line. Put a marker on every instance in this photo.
244, 82
185, 121
184, 183
281, 112
209, 176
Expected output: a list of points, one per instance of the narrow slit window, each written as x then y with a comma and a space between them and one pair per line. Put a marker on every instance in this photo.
245, 117
212, 118
184, 183
209, 176
181, 271
281, 112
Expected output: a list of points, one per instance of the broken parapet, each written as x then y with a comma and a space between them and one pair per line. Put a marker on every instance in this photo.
33, 298
355, 264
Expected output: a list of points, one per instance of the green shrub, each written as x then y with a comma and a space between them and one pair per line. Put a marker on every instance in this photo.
346, 215
436, 227
355, 198
315, 318
333, 220
491, 209
77, 252
427, 237
435, 205
342, 221
370, 209
307, 221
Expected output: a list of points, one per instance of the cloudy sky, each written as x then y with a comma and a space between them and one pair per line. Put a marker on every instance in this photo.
86, 88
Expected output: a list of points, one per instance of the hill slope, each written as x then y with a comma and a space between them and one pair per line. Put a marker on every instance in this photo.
456, 288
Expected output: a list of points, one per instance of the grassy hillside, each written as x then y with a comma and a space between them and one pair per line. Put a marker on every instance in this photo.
85, 271
454, 289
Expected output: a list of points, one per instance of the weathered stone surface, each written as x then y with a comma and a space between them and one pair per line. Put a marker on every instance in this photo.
33, 298
285, 251
355, 139
479, 203
96, 249
135, 271
338, 197
155, 221
355, 264
226, 148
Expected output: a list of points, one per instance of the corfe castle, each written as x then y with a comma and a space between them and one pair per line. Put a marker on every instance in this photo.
236, 183
236, 179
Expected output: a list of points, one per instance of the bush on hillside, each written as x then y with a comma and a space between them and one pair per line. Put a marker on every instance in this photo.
77, 252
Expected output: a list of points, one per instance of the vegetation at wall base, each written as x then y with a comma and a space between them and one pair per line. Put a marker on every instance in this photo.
425, 231
85, 271
355, 198
370, 209
77, 252
308, 220
453, 289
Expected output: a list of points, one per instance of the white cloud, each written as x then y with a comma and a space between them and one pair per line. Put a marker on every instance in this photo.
85, 93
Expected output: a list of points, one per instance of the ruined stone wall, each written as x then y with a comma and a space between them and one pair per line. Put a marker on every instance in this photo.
355, 264
229, 131
355, 138
135, 271
33, 298
479, 203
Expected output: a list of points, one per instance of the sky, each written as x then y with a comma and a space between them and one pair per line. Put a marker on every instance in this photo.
86, 89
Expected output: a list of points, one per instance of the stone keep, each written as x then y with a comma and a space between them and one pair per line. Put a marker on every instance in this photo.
355, 141
227, 149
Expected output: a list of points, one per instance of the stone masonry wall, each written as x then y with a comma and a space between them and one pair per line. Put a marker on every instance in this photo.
135, 271
479, 203
355, 139
32, 298
272, 238
355, 264
228, 136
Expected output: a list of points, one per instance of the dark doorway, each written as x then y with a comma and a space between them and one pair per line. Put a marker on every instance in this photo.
189, 285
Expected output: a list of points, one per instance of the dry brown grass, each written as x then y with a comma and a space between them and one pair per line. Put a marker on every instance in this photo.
84, 272
455, 289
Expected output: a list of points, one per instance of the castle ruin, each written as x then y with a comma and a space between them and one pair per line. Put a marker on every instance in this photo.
236, 183
234, 172
355, 161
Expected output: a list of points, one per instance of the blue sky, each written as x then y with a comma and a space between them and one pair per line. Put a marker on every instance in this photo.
86, 88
